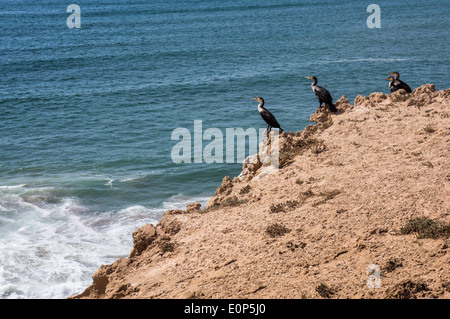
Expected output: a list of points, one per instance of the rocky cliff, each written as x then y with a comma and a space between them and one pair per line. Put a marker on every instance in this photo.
358, 209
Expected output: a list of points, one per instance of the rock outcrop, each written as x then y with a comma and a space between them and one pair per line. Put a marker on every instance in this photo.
343, 217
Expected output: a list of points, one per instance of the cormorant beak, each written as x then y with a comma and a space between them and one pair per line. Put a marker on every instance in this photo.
307, 77
391, 73
387, 79
254, 98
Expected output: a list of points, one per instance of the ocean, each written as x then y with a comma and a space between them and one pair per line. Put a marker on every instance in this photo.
87, 114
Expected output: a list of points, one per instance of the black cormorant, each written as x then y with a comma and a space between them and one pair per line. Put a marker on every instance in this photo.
322, 94
399, 84
267, 116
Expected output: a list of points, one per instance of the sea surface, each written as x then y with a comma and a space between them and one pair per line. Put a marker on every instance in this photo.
86, 114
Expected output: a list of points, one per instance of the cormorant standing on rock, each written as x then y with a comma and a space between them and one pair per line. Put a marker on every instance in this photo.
322, 94
399, 84
267, 116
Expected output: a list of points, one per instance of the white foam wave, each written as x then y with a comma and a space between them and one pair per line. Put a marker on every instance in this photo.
36, 243
123, 179
366, 60
13, 186
129, 179
109, 181
52, 249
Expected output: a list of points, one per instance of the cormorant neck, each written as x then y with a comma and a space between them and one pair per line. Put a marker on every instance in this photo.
261, 106
314, 83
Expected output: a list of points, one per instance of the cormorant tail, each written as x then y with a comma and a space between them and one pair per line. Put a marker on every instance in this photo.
332, 107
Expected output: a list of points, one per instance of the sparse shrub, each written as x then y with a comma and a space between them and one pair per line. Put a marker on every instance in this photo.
398, 96
318, 146
286, 155
233, 201
327, 124
406, 290
426, 228
166, 246
324, 291
229, 202
298, 147
245, 190
308, 193
391, 265
276, 208
196, 295
276, 230
289, 205
292, 246
429, 129
330, 194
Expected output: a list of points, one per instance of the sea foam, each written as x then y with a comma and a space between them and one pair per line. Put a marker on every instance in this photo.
51, 248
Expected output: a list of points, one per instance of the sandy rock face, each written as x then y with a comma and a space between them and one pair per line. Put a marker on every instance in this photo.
142, 238
192, 208
426, 88
358, 209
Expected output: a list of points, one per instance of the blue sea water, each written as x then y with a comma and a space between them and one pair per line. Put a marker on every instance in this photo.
86, 114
